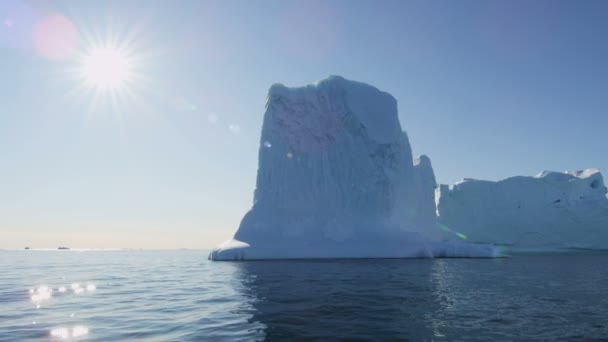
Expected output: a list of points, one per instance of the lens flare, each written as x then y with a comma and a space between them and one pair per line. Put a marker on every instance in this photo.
56, 37
462, 236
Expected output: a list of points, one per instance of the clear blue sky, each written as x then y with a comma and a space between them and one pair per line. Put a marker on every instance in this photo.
487, 89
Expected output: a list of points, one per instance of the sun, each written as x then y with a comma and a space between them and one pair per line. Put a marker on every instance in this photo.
106, 68
110, 71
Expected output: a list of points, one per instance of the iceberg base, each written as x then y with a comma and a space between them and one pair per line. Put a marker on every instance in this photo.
235, 250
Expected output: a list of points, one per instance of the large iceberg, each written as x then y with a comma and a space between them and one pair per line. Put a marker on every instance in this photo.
336, 179
550, 211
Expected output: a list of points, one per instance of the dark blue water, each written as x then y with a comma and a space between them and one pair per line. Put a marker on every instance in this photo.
180, 296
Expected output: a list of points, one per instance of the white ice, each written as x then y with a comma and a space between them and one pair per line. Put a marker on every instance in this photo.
336, 179
550, 211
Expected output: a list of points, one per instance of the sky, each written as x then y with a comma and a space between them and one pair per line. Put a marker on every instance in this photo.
166, 157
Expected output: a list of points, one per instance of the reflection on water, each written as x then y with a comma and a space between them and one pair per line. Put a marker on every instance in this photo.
181, 296
44, 293
525, 298
41, 293
64, 333
346, 299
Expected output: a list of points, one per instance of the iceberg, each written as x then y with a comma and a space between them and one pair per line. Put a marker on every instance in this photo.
336, 179
550, 211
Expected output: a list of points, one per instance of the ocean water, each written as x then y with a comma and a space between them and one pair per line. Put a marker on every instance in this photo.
181, 296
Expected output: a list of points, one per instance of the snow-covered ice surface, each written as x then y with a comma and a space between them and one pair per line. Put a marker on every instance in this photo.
550, 211
336, 179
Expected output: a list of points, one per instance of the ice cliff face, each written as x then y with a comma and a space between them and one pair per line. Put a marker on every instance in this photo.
549, 211
330, 153
334, 149
336, 179
422, 204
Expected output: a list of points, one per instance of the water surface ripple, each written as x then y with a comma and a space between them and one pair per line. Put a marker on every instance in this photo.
181, 296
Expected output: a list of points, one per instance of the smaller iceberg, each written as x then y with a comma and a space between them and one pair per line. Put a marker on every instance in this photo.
550, 211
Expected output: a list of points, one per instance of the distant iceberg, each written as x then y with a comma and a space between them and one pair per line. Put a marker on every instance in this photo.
336, 179
550, 211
